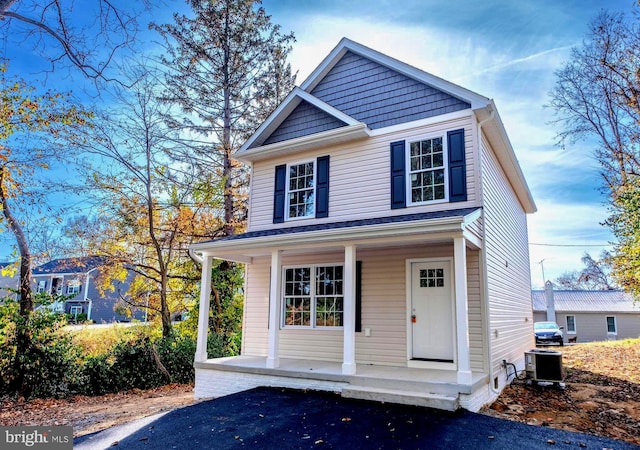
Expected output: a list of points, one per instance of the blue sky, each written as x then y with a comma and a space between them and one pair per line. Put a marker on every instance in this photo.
503, 49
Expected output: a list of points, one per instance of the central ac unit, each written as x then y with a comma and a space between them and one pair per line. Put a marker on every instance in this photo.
544, 365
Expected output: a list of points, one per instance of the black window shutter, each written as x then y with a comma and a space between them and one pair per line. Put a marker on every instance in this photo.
279, 193
322, 187
358, 296
457, 166
398, 176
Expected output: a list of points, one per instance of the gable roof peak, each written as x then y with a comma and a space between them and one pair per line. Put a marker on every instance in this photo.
477, 101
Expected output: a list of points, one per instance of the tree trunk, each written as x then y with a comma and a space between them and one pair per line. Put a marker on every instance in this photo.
24, 291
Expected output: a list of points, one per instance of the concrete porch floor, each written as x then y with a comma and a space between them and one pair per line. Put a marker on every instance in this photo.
426, 387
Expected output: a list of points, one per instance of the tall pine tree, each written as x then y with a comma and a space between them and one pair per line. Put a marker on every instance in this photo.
227, 71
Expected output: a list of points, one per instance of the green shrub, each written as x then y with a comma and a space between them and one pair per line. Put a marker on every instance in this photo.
51, 366
131, 365
176, 354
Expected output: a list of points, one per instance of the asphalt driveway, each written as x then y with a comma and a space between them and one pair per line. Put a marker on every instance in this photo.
269, 418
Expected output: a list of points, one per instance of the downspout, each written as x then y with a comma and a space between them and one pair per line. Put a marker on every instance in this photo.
485, 287
196, 257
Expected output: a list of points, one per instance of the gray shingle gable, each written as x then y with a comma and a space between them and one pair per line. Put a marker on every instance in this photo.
304, 120
379, 96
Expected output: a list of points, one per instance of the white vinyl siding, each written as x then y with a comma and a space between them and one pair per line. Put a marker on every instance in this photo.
384, 309
256, 308
368, 162
507, 266
476, 328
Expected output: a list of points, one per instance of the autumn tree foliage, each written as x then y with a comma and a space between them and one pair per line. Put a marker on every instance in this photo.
227, 70
597, 101
35, 130
151, 210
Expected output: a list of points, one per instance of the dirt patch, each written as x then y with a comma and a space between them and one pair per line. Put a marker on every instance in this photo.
601, 394
90, 414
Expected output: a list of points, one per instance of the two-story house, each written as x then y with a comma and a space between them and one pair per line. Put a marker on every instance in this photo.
76, 279
386, 252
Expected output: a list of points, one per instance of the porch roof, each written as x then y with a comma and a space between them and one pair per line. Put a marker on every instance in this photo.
412, 227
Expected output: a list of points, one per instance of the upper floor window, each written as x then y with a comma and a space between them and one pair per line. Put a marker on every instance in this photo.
427, 170
73, 287
301, 190
42, 286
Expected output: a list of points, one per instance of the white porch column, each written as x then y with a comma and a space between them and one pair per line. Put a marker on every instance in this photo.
462, 313
203, 314
349, 325
273, 359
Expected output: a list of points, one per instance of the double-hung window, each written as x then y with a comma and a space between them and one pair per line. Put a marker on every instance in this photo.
301, 190
571, 324
42, 286
73, 287
611, 325
313, 296
427, 168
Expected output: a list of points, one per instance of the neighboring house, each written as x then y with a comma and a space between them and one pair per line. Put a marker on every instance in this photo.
386, 252
8, 281
588, 316
76, 279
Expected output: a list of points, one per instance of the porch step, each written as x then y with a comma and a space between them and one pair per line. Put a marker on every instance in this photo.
429, 400
431, 387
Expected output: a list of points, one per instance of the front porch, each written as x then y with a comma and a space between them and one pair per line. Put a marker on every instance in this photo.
432, 388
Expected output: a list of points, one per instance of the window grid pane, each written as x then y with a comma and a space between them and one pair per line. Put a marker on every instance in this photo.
329, 303
427, 170
611, 324
301, 190
324, 302
571, 324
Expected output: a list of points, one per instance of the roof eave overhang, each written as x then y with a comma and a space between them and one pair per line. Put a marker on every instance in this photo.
421, 230
497, 135
325, 138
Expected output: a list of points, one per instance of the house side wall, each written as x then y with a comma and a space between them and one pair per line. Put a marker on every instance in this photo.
507, 265
384, 309
539, 316
593, 326
255, 329
476, 324
359, 180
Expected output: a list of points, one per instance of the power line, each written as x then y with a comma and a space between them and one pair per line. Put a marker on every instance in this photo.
571, 245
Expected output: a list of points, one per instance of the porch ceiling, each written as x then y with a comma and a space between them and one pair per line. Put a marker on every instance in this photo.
438, 227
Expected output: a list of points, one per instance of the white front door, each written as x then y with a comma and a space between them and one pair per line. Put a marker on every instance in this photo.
432, 311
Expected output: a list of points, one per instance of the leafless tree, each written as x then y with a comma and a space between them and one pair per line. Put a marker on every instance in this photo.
86, 34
